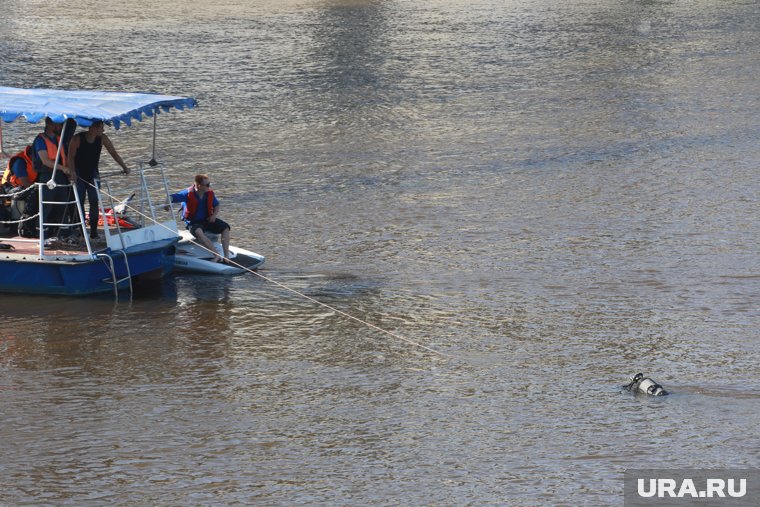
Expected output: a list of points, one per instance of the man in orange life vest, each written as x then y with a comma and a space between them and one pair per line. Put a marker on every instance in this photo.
20, 171
200, 210
44, 152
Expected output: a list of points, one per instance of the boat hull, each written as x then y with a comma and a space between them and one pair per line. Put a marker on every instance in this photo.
192, 258
190, 264
79, 277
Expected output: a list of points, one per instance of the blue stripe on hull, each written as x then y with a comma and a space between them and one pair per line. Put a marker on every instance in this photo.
85, 277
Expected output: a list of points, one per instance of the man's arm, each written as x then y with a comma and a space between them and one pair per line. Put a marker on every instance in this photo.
19, 170
41, 148
180, 196
215, 212
47, 162
73, 148
109, 146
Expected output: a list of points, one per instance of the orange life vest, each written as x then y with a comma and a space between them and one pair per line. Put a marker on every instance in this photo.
193, 201
52, 148
31, 174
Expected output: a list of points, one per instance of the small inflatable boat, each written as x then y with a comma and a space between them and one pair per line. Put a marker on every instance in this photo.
193, 258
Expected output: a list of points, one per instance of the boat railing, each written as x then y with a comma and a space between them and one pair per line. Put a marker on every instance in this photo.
153, 202
60, 226
103, 213
41, 240
148, 198
148, 205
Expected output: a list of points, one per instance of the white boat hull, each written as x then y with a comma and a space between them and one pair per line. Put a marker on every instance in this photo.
194, 258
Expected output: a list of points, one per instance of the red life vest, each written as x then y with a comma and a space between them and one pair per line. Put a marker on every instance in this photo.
31, 174
52, 149
193, 201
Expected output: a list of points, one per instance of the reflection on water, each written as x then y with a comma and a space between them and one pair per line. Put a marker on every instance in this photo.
559, 196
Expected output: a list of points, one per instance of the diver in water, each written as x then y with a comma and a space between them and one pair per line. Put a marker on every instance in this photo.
644, 385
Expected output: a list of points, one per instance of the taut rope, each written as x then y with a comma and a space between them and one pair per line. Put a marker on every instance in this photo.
301, 294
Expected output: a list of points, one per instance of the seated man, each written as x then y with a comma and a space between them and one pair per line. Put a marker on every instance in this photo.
19, 175
200, 210
20, 171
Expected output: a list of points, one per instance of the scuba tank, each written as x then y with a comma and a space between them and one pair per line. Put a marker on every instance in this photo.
644, 385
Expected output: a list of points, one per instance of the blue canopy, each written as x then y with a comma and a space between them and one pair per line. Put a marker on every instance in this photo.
84, 106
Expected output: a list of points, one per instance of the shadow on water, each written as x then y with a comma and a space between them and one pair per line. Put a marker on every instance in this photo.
154, 333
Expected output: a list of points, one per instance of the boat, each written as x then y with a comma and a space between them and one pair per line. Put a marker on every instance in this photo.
194, 258
73, 264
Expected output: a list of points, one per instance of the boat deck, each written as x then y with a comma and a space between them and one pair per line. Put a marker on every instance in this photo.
74, 245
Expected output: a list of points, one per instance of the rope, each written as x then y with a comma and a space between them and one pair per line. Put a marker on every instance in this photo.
17, 194
21, 195
298, 293
14, 196
20, 220
340, 312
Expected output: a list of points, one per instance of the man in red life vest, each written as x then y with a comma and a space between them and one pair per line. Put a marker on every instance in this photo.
200, 210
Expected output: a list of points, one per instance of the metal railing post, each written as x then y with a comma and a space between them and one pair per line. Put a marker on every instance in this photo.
82, 222
41, 219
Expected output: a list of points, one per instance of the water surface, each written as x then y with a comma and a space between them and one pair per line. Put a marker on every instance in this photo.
557, 195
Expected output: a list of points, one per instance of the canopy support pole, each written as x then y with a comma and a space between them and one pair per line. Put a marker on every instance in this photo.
153, 162
2, 149
51, 183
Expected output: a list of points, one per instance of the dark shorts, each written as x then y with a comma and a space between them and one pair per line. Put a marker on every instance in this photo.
215, 227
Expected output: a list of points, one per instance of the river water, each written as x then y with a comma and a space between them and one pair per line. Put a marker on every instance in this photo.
556, 194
